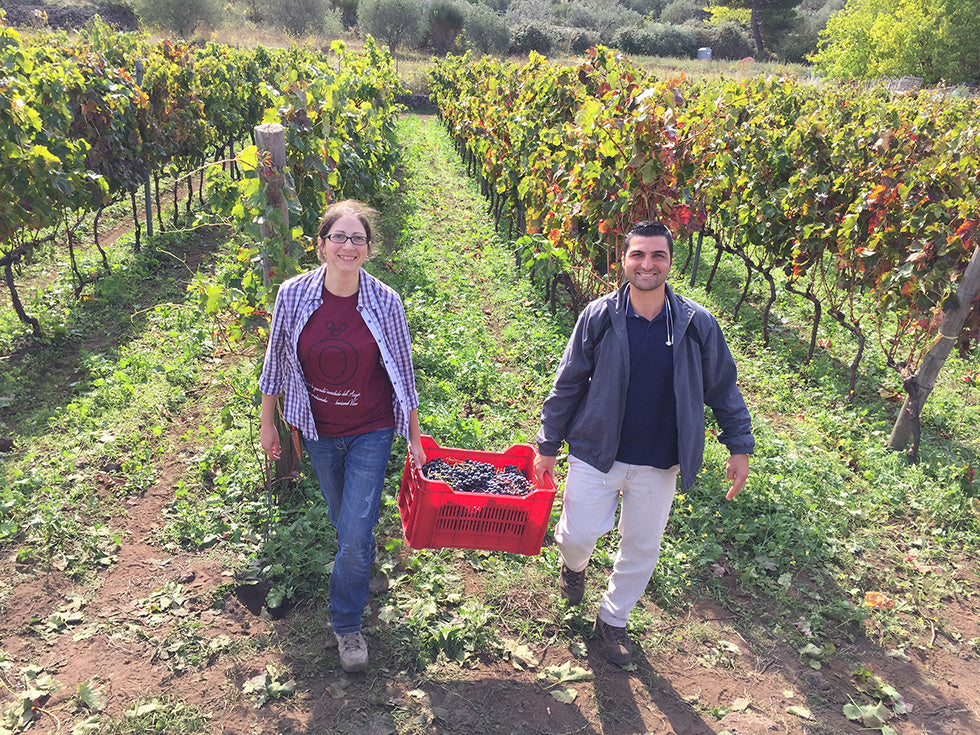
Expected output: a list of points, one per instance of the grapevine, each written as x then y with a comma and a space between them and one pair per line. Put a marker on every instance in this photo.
865, 201
89, 119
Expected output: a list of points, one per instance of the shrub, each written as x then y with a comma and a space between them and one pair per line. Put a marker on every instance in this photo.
183, 17
394, 22
486, 31
530, 37
628, 41
658, 39
583, 41
348, 11
445, 24
680, 11
726, 40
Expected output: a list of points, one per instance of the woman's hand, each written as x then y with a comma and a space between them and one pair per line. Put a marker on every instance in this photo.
415, 450
268, 433
269, 439
417, 454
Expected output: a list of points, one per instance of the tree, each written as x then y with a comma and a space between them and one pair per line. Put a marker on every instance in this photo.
801, 41
870, 39
530, 11
348, 11
395, 22
183, 17
934, 39
605, 18
952, 45
445, 24
486, 31
299, 16
770, 19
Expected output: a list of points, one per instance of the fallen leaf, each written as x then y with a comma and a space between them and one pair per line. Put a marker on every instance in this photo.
567, 696
729, 646
566, 672
878, 600
799, 711
521, 657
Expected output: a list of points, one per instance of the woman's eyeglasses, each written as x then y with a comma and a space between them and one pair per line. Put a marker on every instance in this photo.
339, 238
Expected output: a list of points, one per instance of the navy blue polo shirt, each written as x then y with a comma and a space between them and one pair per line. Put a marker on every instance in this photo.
649, 432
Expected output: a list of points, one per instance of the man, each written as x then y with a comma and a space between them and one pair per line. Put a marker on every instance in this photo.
629, 400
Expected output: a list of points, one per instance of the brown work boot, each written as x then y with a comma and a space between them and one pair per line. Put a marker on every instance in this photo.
615, 643
571, 586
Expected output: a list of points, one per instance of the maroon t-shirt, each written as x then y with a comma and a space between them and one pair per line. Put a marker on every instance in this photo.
350, 391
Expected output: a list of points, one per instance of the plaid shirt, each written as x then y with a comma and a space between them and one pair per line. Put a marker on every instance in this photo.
382, 311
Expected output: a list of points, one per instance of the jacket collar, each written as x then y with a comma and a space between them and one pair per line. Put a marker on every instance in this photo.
679, 306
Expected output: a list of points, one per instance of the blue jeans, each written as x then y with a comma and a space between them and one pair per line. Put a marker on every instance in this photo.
351, 473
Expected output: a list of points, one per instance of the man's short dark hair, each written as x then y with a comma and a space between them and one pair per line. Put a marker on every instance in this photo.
648, 228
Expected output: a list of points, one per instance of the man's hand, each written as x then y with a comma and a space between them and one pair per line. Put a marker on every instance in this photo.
737, 470
543, 466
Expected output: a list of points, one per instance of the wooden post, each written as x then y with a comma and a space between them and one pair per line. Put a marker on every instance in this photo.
697, 258
270, 139
147, 200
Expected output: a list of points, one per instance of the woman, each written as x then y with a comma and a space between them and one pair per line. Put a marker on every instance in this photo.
340, 351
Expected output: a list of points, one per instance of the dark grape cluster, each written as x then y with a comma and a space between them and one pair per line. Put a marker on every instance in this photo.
468, 476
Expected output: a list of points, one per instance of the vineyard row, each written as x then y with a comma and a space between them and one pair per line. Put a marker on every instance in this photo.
89, 120
865, 202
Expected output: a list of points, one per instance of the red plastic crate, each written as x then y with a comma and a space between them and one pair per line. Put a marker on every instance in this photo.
434, 516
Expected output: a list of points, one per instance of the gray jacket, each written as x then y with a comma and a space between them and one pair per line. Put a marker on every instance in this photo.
588, 401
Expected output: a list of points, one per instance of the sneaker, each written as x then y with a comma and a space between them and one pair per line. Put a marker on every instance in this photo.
615, 643
353, 652
571, 586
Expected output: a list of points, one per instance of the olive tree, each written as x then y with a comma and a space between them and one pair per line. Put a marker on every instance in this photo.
486, 31
183, 17
446, 21
394, 22
301, 16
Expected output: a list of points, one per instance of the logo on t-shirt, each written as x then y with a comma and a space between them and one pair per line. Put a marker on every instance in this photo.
332, 362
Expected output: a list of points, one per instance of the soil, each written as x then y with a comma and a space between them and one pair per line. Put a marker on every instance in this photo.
69, 16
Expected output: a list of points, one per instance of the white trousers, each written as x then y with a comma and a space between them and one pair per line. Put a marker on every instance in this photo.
589, 511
